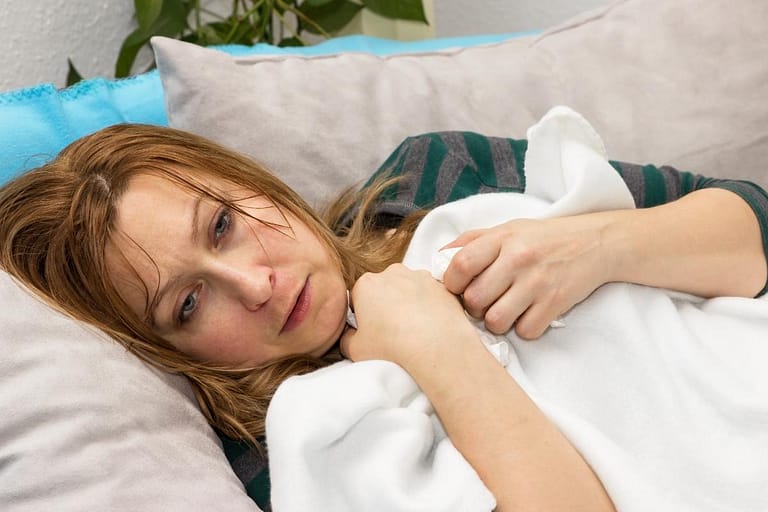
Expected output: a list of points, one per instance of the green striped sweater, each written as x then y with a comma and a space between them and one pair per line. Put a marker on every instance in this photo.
445, 166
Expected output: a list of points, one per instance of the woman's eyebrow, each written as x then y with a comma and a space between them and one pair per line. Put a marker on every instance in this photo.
171, 283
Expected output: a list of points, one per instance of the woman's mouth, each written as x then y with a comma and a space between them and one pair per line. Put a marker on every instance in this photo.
300, 309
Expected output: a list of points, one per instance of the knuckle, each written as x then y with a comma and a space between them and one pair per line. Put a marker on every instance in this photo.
526, 330
496, 322
365, 279
422, 273
462, 262
472, 299
539, 280
524, 255
559, 298
365, 283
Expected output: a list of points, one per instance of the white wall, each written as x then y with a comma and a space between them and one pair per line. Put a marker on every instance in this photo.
39, 36
466, 17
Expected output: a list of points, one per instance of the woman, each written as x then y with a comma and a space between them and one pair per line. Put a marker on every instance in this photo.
204, 264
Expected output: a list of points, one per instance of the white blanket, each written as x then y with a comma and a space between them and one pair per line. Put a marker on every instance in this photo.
665, 395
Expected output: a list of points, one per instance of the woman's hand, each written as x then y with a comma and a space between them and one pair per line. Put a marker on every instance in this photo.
401, 315
527, 272
409, 318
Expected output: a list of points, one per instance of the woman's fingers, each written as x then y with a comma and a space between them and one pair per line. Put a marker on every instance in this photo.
471, 261
464, 238
503, 313
534, 321
400, 313
526, 272
520, 307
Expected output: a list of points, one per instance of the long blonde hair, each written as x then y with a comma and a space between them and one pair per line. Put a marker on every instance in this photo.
56, 221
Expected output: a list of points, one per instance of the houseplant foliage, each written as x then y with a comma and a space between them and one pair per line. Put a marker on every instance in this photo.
277, 22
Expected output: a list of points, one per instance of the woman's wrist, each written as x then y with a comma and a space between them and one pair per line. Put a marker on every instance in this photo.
517, 452
707, 243
429, 360
618, 243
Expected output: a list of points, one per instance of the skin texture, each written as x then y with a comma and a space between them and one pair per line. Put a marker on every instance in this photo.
528, 272
543, 268
236, 279
521, 456
247, 281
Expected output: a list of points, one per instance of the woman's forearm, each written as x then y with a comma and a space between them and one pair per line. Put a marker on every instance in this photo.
407, 317
518, 453
707, 243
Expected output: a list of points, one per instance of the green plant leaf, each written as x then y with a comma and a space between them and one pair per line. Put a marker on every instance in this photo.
128, 51
213, 34
317, 3
171, 22
147, 12
73, 75
290, 41
412, 10
238, 31
331, 15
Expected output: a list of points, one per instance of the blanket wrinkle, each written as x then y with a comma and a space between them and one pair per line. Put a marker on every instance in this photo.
664, 394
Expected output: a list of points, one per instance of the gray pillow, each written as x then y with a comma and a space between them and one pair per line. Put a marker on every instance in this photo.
681, 83
87, 426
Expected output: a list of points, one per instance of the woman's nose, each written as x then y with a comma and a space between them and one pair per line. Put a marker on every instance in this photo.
252, 286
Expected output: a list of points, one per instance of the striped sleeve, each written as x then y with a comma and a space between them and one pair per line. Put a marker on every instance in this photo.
251, 467
441, 167
651, 186
444, 166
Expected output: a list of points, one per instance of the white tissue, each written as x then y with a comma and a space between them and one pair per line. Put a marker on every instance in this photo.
351, 320
441, 260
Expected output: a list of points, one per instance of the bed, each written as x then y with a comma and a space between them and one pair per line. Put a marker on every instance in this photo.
87, 426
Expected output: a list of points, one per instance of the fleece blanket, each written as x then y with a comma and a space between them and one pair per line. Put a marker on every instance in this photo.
664, 394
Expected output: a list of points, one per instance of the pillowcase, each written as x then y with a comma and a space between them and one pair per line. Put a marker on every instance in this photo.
681, 83
37, 122
325, 123
87, 426
92, 426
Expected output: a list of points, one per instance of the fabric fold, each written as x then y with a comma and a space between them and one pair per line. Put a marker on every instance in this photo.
663, 394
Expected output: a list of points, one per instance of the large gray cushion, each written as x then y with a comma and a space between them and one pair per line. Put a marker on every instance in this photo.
682, 83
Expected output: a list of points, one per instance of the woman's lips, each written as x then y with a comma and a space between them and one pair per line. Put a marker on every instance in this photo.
300, 309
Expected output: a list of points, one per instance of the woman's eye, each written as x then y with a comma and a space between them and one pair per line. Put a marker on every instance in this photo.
221, 226
187, 307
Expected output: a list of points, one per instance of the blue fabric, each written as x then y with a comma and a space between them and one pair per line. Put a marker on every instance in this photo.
38, 122
374, 45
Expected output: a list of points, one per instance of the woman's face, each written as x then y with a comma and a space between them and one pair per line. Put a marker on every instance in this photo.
230, 289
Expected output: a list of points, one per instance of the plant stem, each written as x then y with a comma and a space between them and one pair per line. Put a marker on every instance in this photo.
246, 15
305, 19
198, 25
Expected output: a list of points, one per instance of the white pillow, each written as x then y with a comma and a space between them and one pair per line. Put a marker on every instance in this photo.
87, 426
681, 83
